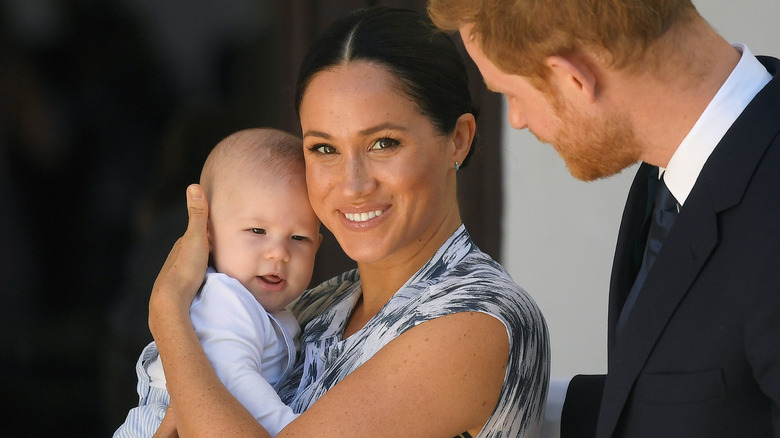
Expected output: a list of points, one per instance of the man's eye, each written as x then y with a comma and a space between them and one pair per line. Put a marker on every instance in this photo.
257, 230
385, 143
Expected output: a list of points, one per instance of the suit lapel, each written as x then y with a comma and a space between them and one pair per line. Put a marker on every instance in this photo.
721, 185
685, 251
630, 243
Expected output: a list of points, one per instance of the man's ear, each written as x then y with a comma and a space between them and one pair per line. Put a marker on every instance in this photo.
573, 76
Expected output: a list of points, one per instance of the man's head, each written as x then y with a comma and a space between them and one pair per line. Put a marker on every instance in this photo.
594, 141
552, 60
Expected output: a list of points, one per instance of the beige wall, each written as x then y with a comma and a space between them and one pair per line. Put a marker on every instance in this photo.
560, 233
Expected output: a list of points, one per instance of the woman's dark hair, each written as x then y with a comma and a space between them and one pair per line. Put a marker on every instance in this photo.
425, 61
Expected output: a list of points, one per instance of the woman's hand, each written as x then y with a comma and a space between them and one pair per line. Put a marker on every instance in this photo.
167, 428
184, 269
203, 406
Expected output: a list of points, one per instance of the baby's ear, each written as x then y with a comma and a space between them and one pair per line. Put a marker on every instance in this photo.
319, 241
209, 234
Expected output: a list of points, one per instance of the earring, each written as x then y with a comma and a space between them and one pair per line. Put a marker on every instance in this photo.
457, 166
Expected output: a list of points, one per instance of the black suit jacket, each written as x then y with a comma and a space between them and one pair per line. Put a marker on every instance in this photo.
699, 355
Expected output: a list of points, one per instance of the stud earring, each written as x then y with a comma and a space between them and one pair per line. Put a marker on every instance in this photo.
457, 166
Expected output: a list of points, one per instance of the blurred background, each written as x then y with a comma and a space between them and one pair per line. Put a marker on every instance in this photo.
107, 110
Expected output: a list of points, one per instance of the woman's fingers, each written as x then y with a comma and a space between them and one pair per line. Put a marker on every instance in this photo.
184, 269
190, 254
194, 245
198, 212
167, 428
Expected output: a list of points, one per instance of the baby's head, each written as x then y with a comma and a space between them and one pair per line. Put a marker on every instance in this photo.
262, 229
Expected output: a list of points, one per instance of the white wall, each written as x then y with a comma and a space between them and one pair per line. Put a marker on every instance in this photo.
559, 233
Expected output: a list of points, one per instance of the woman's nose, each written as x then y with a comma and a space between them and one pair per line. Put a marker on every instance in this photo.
358, 179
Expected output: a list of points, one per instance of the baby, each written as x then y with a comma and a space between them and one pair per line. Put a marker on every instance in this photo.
264, 236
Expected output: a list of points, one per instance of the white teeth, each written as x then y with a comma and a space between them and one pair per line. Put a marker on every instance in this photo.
362, 217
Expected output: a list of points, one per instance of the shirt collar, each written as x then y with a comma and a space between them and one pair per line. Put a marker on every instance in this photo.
742, 85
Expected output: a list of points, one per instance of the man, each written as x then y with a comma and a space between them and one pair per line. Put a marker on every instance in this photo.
694, 307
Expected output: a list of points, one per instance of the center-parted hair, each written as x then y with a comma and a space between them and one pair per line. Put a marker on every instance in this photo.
425, 61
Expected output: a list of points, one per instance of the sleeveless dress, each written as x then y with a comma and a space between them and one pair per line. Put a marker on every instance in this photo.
458, 278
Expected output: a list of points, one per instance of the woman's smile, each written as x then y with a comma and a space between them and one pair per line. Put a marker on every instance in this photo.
362, 217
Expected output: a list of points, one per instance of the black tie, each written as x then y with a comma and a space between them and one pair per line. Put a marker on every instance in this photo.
661, 221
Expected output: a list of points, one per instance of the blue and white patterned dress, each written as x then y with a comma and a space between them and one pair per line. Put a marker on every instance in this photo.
458, 278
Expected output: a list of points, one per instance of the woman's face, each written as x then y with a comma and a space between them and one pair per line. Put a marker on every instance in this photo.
380, 176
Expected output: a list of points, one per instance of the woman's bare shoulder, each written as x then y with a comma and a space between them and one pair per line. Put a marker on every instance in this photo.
441, 377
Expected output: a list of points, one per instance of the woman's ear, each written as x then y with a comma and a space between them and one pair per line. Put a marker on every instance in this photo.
573, 76
463, 136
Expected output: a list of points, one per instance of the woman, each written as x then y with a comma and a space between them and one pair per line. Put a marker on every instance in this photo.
429, 336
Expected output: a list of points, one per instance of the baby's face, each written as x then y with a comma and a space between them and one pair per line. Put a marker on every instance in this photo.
265, 234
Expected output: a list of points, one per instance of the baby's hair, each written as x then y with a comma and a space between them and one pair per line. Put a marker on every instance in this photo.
273, 152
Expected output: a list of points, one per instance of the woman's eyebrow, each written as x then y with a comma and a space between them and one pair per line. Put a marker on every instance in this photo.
382, 127
316, 134
367, 131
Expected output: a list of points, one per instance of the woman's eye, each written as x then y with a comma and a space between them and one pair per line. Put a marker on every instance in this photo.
323, 149
257, 230
385, 143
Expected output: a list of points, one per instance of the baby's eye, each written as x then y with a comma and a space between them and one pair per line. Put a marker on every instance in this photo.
385, 143
299, 238
325, 149
257, 230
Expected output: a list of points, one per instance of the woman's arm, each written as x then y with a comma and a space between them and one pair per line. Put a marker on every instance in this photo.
438, 379
203, 406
